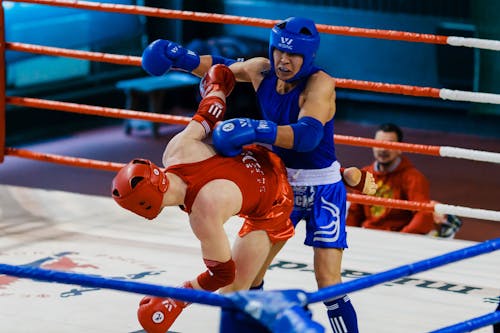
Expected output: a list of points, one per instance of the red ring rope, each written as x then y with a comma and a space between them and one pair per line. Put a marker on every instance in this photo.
110, 166
240, 20
399, 89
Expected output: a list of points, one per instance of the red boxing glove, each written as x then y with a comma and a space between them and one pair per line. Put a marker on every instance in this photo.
218, 78
157, 314
210, 111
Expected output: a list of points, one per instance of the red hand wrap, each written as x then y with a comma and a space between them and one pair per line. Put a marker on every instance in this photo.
218, 78
361, 183
157, 314
210, 111
218, 275
359, 187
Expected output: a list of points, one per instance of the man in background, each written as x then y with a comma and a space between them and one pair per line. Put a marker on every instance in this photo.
396, 178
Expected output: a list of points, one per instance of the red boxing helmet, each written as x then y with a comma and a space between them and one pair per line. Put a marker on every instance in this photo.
139, 187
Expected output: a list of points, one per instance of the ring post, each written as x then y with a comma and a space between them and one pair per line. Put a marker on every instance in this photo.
2, 82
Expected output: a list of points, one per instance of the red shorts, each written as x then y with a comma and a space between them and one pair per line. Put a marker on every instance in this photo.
276, 222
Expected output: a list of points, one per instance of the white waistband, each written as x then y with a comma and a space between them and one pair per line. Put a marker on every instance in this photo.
310, 177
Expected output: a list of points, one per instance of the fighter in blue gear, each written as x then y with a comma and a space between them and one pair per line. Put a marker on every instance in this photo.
297, 101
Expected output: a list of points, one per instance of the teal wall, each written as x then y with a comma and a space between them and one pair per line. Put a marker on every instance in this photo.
486, 16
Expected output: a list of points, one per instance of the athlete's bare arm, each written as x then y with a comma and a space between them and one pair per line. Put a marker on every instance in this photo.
250, 70
318, 99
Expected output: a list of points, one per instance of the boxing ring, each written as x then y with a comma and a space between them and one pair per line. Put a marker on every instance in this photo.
42, 247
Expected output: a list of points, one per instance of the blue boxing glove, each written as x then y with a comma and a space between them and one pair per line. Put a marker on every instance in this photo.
159, 56
231, 135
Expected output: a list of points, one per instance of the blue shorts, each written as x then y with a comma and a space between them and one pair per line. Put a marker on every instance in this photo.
323, 207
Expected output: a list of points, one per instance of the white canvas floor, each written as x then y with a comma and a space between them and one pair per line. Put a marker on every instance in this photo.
92, 235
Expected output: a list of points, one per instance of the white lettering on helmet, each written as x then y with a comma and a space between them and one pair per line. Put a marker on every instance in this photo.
286, 43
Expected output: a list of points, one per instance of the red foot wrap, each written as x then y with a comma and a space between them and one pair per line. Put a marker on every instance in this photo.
218, 274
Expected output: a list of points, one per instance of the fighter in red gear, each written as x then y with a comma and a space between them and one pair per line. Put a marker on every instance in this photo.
211, 189
297, 101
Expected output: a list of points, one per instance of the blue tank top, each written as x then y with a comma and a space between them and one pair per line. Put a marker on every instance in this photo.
283, 109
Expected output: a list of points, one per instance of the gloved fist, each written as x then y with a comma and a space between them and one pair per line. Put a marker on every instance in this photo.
231, 135
210, 111
359, 180
159, 56
218, 78
156, 314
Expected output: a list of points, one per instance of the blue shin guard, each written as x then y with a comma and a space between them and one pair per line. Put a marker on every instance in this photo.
341, 315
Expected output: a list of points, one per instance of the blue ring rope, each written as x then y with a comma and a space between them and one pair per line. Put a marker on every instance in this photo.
471, 324
410, 269
208, 298
190, 295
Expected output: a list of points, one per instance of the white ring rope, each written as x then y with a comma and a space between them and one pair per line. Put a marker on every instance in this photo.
487, 44
469, 154
469, 96
476, 213
441, 151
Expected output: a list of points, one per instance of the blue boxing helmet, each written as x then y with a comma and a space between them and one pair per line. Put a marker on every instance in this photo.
295, 35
